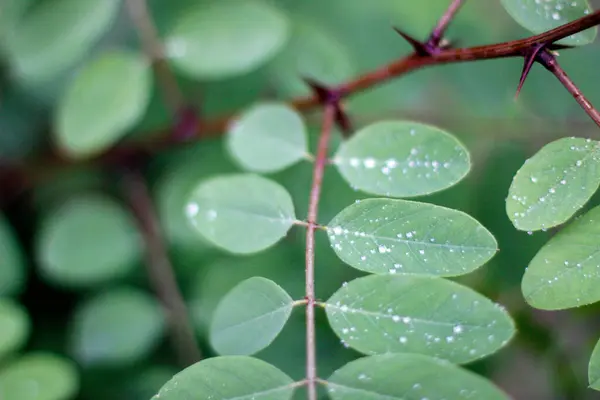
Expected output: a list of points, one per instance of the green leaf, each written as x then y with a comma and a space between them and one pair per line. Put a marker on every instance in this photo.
594, 368
312, 52
386, 236
14, 326
228, 378
402, 159
552, 185
106, 99
54, 35
117, 327
39, 376
541, 16
564, 273
250, 317
225, 39
268, 138
418, 314
241, 213
12, 264
88, 241
408, 376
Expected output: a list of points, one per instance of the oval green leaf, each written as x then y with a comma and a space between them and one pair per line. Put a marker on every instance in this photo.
268, 138
225, 39
552, 185
14, 327
418, 314
56, 34
387, 236
39, 376
107, 97
250, 317
88, 241
241, 213
418, 377
117, 327
594, 368
542, 15
12, 264
228, 378
564, 273
402, 159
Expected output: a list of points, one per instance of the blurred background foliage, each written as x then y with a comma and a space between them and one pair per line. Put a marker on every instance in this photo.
77, 315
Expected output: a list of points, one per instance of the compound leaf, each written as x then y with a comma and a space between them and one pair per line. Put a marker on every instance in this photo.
56, 34
268, 138
117, 327
14, 326
250, 317
241, 213
387, 236
106, 98
228, 378
565, 272
402, 159
88, 241
553, 184
422, 377
52, 377
418, 314
541, 16
225, 39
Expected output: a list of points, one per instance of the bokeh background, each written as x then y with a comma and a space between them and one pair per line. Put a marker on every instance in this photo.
122, 351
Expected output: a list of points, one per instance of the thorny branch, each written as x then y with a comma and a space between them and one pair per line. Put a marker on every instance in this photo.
518, 48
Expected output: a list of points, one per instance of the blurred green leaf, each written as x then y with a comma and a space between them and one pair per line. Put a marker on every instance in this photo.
387, 236
54, 35
563, 274
118, 327
14, 327
418, 377
12, 264
594, 368
402, 159
224, 39
228, 377
268, 138
250, 317
241, 213
553, 184
108, 96
39, 376
418, 314
88, 241
312, 52
542, 15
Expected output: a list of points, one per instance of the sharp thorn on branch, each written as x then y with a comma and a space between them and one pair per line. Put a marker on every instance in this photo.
343, 120
530, 57
420, 48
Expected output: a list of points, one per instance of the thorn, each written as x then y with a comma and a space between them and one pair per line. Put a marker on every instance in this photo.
420, 48
322, 91
327, 95
555, 46
530, 58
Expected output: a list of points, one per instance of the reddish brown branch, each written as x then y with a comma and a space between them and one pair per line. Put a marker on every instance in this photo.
517, 48
438, 32
160, 270
551, 64
313, 211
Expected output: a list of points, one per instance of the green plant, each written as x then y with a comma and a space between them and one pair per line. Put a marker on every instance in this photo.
226, 219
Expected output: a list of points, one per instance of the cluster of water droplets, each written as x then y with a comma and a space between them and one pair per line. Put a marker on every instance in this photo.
389, 242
